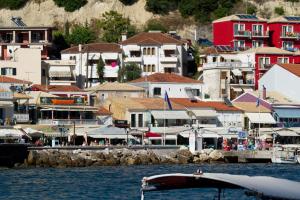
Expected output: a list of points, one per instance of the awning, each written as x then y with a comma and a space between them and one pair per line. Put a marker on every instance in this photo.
112, 136
209, 135
151, 134
237, 72
247, 89
60, 71
205, 113
169, 65
7, 133
109, 56
263, 118
287, 133
288, 113
133, 48
170, 114
237, 89
6, 103
168, 137
169, 47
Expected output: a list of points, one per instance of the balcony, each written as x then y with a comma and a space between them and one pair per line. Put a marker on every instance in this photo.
238, 33
260, 34
290, 35
227, 65
169, 59
241, 82
62, 101
133, 59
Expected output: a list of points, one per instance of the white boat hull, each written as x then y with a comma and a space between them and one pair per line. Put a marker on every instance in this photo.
284, 161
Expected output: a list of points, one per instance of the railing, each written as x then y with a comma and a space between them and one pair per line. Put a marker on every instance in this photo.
260, 34
21, 118
62, 101
238, 33
133, 59
290, 35
226, 65
69, 121
168, 59
265, 66
241, 82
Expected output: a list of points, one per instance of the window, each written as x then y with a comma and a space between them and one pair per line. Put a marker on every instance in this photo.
149, 51
283, 60
239, 44
140, 120
214, 59
157, 91
133, 121
239, 29
9, 71
263, 62
144, 51
257, 30
287, 31
288, 45
153, 51
196, 92
153, 68
149, 68
257, 43
223, 75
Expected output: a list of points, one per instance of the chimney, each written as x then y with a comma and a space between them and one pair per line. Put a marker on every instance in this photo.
79, 47
264, 93
124, 37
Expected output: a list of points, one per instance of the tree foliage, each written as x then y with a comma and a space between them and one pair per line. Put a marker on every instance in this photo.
161, 6
12, 4
129, 72
113, 25
100, 70
81, 35
279, 10
128, 2
59, 42
70, 5
155, 25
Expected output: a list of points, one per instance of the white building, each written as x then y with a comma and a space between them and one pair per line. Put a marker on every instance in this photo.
175, 85
87, 58
283, 78
154, 52
60, 72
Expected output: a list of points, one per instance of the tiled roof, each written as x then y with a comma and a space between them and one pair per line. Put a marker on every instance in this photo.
293, 68
251, 107
157, 104
219, 106
268, 50
103, 111
165, 78
94, 48
153, 38
56, 88
6, 79
115, 86
235, 17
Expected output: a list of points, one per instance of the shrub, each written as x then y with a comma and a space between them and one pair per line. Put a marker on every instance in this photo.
128, 2
161, 6
12, 4
279, 10
155, 25
70, 5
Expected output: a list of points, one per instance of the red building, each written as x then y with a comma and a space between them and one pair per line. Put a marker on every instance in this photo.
285, 32
241, 31
21, 36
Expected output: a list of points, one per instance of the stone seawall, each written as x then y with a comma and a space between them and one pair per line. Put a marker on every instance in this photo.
115, 157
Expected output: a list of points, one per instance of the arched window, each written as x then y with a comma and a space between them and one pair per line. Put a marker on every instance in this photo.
153, 51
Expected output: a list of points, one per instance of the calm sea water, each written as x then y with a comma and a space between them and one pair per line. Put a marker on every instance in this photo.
122, 182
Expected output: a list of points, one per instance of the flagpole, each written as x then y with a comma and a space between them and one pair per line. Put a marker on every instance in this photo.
164, 137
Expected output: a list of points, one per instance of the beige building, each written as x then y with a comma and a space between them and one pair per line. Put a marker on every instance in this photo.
25, 64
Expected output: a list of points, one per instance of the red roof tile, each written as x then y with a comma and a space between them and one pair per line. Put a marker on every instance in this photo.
103, 111
95, 48
146, 37
6, 79
219, 106
56, 88
166, 78
293, 68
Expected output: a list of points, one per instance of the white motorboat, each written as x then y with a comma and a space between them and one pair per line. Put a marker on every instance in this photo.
284, 155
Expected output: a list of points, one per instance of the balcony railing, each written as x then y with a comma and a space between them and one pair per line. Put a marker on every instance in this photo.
62, 101
133, 59
290, 35
260, 34
69, 121
21, 117
238, 33
173, 59
265, 66
227, 65
241, 82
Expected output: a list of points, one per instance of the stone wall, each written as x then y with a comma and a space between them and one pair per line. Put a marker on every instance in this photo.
115, 157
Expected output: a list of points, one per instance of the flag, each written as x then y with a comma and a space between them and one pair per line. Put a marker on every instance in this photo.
167, 100
257, 102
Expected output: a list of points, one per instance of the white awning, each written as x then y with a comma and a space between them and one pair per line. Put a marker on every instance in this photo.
133, 48
205, 113
287, 133
6, 103
263, 118
168, 137
169, 47
112, 136
237, 72
247, 89
237, 89
60, 71
169, 65
169, 114
109, 56
209, 135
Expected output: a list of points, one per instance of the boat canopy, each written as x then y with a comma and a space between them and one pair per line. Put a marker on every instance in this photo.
263, 186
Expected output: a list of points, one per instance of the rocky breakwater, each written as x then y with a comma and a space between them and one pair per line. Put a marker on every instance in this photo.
113, 157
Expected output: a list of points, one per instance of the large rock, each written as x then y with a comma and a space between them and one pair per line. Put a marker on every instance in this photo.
216, 155
31, 160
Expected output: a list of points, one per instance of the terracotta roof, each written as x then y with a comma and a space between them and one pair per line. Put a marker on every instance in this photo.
6, 79
251, 107
95, 48
268, 50
165, 78
56, 88
103, 111
219, 106
235, 17
156, 103
115, 86
293, 68
153, 38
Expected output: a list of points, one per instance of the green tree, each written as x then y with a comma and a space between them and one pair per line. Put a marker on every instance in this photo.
129, 72
251, 9
279, 10
128, 2
12, 4
59, 43
70, 5
81, 35
155, 25
100, 70
161, 6
113, 25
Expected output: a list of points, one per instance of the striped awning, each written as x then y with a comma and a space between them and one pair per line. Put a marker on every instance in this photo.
169, 114
60, 72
